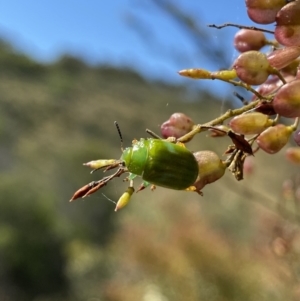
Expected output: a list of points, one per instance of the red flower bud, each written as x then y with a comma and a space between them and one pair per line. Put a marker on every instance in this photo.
287, 100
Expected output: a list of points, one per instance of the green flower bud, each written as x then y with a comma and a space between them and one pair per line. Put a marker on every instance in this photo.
250, 124
211, 168
125, 198
97, 164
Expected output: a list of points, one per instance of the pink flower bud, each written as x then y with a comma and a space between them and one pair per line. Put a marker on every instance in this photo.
274, 138
177, 126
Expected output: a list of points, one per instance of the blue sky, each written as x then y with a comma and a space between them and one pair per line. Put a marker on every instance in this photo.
100, 31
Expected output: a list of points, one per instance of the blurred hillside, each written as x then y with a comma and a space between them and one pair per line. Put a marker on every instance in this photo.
165, 245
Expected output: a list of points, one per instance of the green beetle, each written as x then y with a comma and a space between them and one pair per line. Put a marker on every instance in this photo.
161, 163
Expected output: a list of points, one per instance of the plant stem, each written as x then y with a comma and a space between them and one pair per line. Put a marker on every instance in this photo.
230, 113
240, 27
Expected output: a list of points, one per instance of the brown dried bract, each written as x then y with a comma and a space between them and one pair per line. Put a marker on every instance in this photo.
83, 191
240, 143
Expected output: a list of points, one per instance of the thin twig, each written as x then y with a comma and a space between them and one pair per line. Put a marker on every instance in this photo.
240, 97
247, 87
240, 27
230, 113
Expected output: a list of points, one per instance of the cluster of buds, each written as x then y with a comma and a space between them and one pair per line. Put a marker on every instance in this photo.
265, 122
277, 98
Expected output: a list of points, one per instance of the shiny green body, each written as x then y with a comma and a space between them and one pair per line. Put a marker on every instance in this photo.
161, 163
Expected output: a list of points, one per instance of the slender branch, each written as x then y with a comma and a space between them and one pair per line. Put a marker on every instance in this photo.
230, 113
240, 97
247, 87
240, 27
273, 70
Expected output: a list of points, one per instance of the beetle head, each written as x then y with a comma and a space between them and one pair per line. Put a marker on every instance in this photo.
135, 157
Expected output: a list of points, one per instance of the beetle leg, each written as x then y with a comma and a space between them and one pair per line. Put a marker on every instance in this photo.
174, 140
193, 188
199, 192
181, 144
131, 176
144, 185
153, 187
171, 139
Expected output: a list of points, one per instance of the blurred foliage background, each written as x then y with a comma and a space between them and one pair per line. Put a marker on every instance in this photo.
240, 241
166, 245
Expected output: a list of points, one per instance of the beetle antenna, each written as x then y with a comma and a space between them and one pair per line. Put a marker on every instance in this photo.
120, 134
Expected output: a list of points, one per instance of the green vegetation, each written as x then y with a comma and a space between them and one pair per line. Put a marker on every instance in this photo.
169, 245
